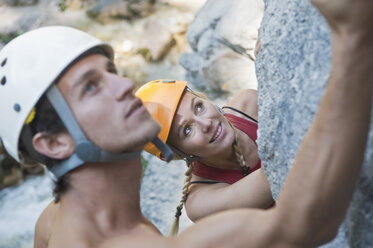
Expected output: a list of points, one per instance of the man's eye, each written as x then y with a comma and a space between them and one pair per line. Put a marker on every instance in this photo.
199, 107
90, 87
186, 130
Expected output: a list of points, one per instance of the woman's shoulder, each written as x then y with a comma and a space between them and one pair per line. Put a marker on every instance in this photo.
245, 101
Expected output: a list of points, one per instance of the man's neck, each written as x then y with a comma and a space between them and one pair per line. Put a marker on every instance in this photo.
107, 194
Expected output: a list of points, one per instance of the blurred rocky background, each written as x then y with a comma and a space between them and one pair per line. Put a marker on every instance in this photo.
149, 37
210, 44
292, 69
223, 35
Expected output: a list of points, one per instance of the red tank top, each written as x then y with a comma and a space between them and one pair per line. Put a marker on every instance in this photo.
229, 175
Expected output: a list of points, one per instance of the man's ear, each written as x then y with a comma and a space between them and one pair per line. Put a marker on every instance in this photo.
58, 146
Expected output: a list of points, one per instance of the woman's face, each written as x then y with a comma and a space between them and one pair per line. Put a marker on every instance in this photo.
199, 128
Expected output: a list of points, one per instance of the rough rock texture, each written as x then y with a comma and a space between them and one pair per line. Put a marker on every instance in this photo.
292, 69
105, 10
157, 40
161, 192
223, 37
18, 2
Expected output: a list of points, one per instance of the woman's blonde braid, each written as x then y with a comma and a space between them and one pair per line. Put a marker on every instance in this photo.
188, 177
238, 152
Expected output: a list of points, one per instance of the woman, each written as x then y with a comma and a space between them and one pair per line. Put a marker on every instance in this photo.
218, 146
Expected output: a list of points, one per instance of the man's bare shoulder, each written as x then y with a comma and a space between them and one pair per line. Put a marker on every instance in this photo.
44, 225
219, 230
141, 236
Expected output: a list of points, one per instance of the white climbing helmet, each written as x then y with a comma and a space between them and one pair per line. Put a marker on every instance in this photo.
25, 77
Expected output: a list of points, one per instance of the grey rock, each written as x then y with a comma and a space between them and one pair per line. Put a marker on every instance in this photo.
19, 2
292, 69
222, 37
161, 192
20, 207
157, 40
107, 10
19, 19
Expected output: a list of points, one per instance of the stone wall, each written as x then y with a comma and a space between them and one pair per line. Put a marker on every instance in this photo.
223, 36
292, 70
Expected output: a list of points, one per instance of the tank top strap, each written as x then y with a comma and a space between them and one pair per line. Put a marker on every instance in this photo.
246, 126
240, 112
222, 175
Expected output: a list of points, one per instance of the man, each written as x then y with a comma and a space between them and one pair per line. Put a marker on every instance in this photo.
99, 151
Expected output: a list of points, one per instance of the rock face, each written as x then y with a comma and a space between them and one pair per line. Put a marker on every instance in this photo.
292, 69
105, 10
223, 37
20, 2
161, 191
157, 40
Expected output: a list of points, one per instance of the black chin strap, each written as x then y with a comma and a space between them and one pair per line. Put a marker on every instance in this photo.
186, 157
165, 149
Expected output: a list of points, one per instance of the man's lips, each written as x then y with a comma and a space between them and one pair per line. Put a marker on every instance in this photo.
136, 104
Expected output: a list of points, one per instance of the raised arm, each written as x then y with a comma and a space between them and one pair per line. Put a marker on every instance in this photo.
329, 160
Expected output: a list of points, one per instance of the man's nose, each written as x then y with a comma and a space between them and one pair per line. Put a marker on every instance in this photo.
121, 86
204, 123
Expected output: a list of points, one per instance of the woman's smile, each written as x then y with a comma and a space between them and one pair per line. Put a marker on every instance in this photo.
217, 135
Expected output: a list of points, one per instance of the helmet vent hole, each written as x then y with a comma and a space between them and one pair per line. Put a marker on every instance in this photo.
4, 62
3, 81
17, 107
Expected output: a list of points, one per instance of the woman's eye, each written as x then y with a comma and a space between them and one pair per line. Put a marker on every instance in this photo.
199, 107
186, 130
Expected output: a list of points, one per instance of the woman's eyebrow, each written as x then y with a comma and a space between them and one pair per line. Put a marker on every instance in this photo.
182, 123
179, 129
192, 103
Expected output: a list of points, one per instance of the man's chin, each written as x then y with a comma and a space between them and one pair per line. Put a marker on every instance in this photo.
154, 130
151, 134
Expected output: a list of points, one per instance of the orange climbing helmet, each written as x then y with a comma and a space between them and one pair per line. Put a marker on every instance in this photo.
161, 98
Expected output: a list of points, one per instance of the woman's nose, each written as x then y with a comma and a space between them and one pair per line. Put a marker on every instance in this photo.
205, 124
121, 86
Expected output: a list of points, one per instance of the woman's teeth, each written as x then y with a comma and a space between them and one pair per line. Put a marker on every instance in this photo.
216, 135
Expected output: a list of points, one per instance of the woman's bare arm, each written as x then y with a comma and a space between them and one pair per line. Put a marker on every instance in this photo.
250, 192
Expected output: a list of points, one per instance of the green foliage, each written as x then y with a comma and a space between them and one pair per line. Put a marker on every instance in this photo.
62, 5
144, 163
93, 14
132, 10
5, 38
144, 52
